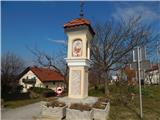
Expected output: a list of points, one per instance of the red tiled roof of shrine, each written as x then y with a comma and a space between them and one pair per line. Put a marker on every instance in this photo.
77, 22
45, 74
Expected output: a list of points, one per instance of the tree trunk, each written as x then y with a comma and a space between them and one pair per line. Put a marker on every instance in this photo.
106, 77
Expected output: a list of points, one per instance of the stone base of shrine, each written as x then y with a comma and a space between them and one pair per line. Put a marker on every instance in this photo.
74, 114
88, 100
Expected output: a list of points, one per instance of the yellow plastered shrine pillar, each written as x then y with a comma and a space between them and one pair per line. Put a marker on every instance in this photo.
79, 33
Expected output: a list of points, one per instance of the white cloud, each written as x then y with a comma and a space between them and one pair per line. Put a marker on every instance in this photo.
146, 14
57, 41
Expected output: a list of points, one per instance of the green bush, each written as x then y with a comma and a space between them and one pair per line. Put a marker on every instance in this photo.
49, 93
38, 90
135, 90
19, 88
45, 92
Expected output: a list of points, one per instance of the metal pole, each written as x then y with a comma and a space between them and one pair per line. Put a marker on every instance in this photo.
139, 79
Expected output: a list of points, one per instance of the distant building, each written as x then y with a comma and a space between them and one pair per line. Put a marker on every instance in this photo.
114, 78
40, 77
128, 74
152, 75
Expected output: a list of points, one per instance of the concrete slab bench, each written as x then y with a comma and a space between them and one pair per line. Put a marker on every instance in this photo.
101, 114
57, 113
72, 114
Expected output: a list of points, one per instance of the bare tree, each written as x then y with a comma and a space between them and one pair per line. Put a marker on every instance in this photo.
111, 46
11, 67
55, 61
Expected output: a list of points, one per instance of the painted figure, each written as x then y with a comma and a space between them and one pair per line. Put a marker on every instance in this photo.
77, 48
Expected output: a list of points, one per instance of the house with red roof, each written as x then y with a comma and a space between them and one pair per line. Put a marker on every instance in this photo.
152, 75
40, 77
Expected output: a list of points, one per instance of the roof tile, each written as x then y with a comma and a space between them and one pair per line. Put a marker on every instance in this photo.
46, 74
77, 22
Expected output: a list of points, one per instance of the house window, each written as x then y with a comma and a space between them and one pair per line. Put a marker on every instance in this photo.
134, 55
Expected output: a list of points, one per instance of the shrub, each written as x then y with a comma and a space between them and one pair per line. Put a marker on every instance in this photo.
38, 90
49, 93
81, 107
19, 88
42, 91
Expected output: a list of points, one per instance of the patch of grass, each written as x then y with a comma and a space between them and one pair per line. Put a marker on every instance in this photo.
119, 112
18, 103
125, 108
130, 111
135, 90
96, 93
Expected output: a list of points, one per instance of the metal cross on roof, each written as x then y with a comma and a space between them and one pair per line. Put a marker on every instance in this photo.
81, 8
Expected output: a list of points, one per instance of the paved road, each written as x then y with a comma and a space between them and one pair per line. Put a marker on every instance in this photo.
27, 112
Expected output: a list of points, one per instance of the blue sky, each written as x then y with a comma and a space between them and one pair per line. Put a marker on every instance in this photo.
38, 24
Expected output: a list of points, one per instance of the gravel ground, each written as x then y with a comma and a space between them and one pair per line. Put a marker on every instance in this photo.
27, 112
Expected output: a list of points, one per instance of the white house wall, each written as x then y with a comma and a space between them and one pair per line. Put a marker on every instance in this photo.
53, 86
30, 75
38, 83
154, 78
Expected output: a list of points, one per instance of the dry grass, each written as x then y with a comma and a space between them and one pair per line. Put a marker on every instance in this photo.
81, 107
99, 105
55, 103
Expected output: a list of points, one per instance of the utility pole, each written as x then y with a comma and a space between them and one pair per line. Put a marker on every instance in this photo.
139, 79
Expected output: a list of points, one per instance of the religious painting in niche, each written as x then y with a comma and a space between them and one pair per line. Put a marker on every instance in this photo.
77, 48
